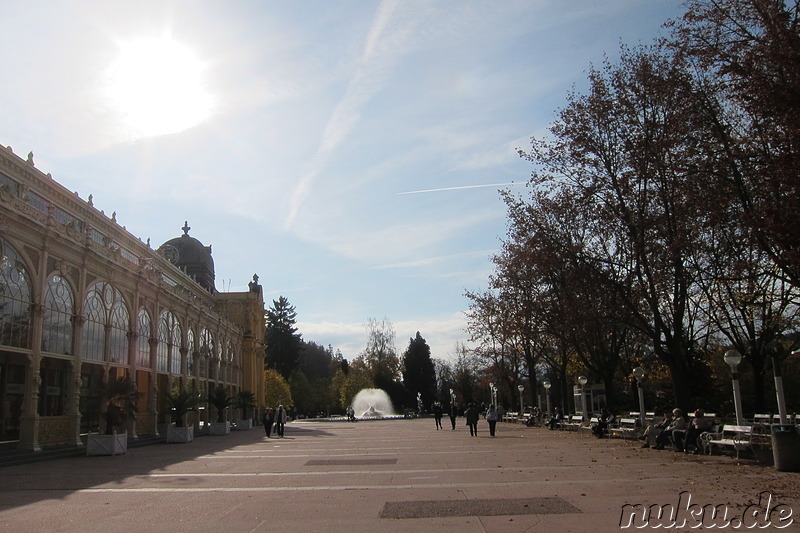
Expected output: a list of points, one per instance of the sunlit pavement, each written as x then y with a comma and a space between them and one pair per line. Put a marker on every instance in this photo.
384, 475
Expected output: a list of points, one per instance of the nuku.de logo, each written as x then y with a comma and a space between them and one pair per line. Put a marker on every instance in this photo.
766, 513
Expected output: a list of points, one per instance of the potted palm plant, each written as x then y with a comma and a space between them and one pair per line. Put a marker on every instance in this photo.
117, 404
220, 399
180, 402
245, 400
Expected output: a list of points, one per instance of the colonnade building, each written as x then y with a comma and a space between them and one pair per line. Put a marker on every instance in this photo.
82, 302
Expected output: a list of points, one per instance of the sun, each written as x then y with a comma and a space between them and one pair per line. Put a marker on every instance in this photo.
156, 86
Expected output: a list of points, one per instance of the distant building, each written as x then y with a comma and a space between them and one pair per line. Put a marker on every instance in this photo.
83, 301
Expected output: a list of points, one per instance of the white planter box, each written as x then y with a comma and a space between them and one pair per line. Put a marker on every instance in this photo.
184, 434
244, 424
219, 428
97, 444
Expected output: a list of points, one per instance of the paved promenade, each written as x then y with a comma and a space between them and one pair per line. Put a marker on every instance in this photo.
388, 475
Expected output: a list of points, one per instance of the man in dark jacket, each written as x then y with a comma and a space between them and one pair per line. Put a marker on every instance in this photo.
472, 416
268, 419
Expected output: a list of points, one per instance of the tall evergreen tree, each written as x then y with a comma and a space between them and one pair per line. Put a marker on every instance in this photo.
282, 339
419, 374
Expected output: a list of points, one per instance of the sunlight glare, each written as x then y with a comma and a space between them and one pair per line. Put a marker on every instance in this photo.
156, 85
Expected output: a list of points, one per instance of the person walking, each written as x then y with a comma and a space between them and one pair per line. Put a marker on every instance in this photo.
268, 419
472, 416
280, 420
491, 418
453, 414
437, 414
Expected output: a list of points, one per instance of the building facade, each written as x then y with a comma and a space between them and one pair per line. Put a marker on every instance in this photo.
82, 302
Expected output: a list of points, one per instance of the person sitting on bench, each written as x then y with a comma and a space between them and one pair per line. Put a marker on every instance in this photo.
601, 428
556, 419
678, 424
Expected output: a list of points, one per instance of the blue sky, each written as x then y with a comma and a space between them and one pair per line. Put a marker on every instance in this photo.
348, 152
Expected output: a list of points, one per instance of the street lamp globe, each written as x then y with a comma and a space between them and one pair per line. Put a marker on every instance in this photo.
582, 380
546, 384
733, 358
638, 373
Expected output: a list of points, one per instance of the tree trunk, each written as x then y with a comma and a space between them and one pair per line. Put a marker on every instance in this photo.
681, 385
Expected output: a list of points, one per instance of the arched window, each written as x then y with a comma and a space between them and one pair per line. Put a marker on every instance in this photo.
169, 342
104, 310
119, 322
231, 353
57, 329
143, 339
216, 358
190, 349
15, 299
175, 352
206, 352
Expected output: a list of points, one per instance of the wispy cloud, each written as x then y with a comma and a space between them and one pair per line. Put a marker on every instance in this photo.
459, 188
433, 260
368, 78
386, 244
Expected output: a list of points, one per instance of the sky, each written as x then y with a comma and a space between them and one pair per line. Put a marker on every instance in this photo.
349, 153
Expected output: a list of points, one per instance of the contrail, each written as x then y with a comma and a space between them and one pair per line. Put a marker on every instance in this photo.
459, 188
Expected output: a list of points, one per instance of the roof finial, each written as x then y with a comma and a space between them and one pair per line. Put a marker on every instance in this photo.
186, 228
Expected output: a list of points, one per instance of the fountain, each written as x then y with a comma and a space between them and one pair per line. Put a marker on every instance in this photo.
372, 403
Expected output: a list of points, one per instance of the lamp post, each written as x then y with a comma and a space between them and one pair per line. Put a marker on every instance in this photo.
583, 381
638, 373
733, 358
776, 352
494, 394
547, 385
520, 388
453, 396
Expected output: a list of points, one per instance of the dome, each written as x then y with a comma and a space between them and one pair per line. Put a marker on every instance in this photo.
191, 256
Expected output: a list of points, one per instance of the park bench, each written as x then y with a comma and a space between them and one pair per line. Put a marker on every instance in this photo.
627, 428
736, 437
510, 416
573, 423
764, 419
587, 427
790, 419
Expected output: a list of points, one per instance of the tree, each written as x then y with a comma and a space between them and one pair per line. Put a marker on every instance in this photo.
302, 392
492, 324
380, 354
314, 360
444, 379
624, 153
220, 399
281, 337
181, 401
556, 297
244, 400
419, 375
346, 385
276, 389
118, 399
750, 304
465, 375
746, 59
